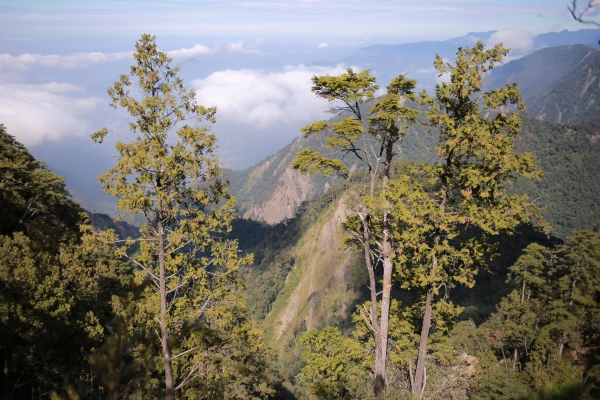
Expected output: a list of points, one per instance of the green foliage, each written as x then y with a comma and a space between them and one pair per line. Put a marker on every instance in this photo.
403, 334
351, 90
388, 120
173, 179
33, 197
122, 362
502, 384
331, 359
56, 286
542, 331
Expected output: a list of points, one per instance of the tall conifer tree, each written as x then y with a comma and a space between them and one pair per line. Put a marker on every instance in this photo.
446, 212
168, 173
374, 141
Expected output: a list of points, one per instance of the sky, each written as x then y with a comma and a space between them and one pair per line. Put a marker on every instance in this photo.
382, 21
252, 59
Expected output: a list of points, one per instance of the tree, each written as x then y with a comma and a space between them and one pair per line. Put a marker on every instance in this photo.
576, 272
587, 8
168, 172
331, 362
56, 287
529, 269
374, 142
446, 212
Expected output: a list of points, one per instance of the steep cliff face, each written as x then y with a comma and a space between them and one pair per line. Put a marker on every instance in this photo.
271, 190
293, 188
322, 289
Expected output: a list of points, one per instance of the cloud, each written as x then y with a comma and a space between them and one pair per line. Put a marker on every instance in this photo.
69, 61
517, 41
264, 99
239, 47
78, 60
36, 113
323, 45
197, 50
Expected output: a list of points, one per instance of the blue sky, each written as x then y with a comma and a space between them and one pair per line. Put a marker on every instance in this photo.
345, 21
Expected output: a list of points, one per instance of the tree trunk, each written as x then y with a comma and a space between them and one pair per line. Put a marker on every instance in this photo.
6, 373
561, 343
572, 292
388, 266
164, 331
523, 291
419, 386
379, 374
515, 359
380, 362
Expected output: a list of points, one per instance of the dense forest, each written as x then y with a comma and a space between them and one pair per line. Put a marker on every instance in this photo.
440, 245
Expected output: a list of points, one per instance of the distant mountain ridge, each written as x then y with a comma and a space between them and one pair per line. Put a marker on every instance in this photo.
387, 61
559, 84
538, 71
574, 97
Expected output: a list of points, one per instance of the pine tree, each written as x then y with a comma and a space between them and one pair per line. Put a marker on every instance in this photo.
168, 173
374, 142
446, 212
577, 275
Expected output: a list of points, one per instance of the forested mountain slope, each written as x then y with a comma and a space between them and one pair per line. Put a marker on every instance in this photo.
303, 276
57, 290
574, 97
569, 155
538, 71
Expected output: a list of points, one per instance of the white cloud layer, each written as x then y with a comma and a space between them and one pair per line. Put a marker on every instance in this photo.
239, 47
68, 61
264, 99
518, 41
197, 50
35, 113
323, 45
77, 60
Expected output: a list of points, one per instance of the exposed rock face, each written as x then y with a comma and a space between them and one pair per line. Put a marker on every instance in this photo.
104, 222
292, 189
